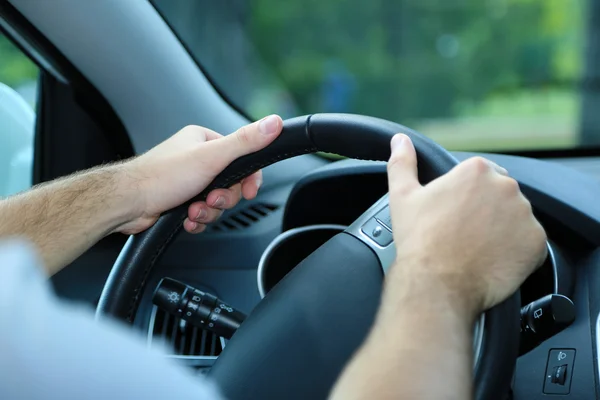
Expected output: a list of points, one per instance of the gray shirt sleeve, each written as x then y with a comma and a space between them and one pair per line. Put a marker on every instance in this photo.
51, 349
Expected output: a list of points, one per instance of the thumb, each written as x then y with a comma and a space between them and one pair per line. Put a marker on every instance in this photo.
402, 166
248, 139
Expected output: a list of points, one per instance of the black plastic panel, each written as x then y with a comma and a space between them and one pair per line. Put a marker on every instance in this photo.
593, 286
335, 194
531, 368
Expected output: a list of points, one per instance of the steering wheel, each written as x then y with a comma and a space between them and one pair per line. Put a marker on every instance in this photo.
297, 340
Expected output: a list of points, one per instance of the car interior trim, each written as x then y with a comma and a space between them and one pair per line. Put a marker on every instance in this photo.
552, 258
278, 240
597, 334
25, 45
120, 82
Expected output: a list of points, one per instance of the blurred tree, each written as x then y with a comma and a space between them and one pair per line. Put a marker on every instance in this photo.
412, 61
15, 67
408, 58
590, 117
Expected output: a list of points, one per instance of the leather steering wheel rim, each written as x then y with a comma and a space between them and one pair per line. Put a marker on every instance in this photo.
353, 136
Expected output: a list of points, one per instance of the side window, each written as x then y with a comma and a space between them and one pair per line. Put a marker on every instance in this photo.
18, 94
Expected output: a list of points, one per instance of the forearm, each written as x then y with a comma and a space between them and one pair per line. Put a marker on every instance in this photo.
419, 348
65, 217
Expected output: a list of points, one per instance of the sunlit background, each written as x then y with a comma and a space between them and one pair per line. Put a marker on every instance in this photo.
472, 74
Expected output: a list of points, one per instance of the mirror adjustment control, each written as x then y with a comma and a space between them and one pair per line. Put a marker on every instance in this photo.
377, 232
559, 371
559, 374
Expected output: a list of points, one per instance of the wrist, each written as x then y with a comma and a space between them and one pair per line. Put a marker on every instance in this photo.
422, 308
430, 290
128, 199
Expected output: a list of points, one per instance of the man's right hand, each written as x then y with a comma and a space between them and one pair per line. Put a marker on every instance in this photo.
464, 242
468, 238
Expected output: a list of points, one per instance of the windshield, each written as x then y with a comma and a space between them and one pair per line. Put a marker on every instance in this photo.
471, 74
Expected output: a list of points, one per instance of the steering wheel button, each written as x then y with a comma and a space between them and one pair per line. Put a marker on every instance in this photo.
377, 232
385, 218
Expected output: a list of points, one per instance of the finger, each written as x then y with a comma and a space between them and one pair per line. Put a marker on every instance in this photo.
497, 168
479, 164
197, 133
212, 135
473, 166
402, 166
200, 212
248, 139
545, 251
225, 199
251, 185
193, 227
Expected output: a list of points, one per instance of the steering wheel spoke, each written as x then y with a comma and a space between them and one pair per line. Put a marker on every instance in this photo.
374, 229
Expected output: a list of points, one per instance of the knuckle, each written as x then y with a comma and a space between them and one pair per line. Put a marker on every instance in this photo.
191, 128
540, 238
195, 132
511, 187
526, 209
478, 165
243, 136
400, 191
396, 160
543, 237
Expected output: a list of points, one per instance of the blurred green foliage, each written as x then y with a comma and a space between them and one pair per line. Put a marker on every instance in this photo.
15, 68
415, 61
472, 74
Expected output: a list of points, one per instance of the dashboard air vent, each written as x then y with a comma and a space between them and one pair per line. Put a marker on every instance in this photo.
242, 218
183, 338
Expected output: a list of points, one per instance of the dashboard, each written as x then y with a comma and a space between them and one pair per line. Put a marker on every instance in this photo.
225, 259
